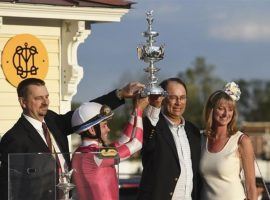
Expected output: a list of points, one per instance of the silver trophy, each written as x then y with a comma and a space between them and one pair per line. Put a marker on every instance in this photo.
151, 54
65, 183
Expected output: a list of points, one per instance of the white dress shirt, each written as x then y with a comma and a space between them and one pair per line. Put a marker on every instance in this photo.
38, 126
184, 184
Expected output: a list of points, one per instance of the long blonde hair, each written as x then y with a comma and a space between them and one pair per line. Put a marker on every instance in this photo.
211, 103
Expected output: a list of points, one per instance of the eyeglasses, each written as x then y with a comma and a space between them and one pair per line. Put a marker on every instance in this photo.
174, 98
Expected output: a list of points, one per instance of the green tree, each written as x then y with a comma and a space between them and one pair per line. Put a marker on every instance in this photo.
254, 104
201, 82
121, 114
75, 105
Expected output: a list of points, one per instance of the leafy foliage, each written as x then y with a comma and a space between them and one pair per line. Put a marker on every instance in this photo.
201, 82
254, 104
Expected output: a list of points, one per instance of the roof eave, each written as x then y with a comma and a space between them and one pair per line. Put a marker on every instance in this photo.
98, 14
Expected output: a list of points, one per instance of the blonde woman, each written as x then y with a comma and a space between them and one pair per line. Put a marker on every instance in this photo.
226, 152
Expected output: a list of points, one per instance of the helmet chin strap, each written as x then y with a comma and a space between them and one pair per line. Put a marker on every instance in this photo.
98, 134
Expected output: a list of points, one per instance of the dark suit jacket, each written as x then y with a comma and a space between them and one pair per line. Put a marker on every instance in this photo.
161, 168
23, 138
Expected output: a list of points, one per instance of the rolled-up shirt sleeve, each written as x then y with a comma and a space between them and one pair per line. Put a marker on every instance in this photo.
152, 113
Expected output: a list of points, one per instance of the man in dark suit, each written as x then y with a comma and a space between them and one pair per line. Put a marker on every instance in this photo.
171, 148
40, 130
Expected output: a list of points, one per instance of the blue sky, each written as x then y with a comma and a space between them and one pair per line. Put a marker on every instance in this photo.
233, 35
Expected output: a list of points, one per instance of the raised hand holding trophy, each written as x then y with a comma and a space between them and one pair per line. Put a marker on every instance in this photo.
151, 54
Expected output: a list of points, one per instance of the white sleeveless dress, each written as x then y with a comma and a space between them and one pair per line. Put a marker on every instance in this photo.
221, 172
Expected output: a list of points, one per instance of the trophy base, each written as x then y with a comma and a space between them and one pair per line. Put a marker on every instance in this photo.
153, 90
65, 187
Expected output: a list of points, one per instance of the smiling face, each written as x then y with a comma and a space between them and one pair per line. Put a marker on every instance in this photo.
223, 112
175, 102
220, 112
36, 102
105, 130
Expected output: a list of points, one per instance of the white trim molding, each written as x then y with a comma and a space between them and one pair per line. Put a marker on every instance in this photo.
1, 21
8, 9
73, 34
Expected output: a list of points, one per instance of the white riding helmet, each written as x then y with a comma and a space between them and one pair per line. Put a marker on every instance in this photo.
88, 115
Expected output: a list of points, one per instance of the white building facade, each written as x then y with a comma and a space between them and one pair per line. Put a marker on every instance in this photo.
61, 27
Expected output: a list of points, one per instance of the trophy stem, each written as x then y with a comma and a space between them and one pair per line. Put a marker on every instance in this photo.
152, 78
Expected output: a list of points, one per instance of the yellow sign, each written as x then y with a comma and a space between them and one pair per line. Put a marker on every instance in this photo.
24, 56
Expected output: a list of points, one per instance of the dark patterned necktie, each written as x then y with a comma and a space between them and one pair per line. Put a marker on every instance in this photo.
46, 133
47, 136
49, 143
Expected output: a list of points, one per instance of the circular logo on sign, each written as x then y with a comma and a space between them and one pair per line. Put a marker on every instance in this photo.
24, 56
